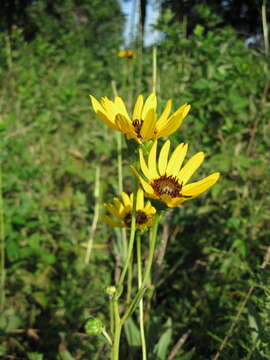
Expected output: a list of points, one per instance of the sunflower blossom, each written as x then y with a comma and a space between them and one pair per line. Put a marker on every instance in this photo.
122, 211
126, 53
166, 180
144, 124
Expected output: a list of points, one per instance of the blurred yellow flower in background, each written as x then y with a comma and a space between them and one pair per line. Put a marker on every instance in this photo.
166, 180
126, 53
122, 211
144, 123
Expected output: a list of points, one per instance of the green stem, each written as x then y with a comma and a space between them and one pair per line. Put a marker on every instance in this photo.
2, 247
129, 279
141, 313
139, 295
96, 216
265, 27
154, 69
132, 236
120, 173
111, 315
117, 331
119, 162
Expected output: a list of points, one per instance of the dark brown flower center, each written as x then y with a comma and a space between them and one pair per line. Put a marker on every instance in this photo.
141, 218
168, 185
137, 124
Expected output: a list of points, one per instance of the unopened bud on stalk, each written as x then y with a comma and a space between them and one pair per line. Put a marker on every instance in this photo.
93, 326
111, 290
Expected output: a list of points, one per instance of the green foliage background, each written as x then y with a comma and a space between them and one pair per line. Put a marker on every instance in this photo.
51, 144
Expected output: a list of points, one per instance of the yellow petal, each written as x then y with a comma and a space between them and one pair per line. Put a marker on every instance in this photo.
118, 205
150, 103
176, 159
149, 209
111, 222
126, 199
96, 105
109, 106
143, 165
163, 157
140, 200
166, 199
164, 116
112, 209
174, 121
190, 167
149, 124
120, 106
102, 114
147, 187
198, 187
176, 202
137, 112
124, 125
152, 166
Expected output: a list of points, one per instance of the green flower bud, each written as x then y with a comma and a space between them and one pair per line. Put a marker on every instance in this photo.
93, 326
111, 290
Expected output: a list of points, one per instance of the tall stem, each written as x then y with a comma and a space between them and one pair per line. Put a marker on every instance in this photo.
265, 27
132, 236
146, 277
154, 75
141, 312
96, 215
117, 331
129, 280
120, 173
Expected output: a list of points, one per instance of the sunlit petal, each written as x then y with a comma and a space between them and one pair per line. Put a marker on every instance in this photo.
198, 187
149, 124
137, 112
152, 161
163, 157
190, 167
143, 165
164, 116
176, 159
150, 103
140, 200
120, 106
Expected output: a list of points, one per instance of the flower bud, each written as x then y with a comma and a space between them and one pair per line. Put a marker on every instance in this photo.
111, 290
93, 326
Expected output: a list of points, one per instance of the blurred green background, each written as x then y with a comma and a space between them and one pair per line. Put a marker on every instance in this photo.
214, 55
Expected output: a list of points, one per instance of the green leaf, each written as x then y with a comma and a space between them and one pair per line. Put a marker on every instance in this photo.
162, 347
132, 333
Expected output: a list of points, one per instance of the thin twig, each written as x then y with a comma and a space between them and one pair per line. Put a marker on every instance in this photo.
96, 215
178, 345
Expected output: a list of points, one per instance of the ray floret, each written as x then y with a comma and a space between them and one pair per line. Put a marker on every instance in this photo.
166, 179
144, 124
121, 211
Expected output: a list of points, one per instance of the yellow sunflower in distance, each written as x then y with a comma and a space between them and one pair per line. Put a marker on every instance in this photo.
122, 211
167, 179
126, 53
144, 124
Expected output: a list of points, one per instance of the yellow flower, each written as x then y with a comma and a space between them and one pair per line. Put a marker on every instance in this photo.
122, 211
144, 123
127, 53
167, 179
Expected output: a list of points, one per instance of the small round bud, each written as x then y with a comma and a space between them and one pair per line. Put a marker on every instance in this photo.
111, 290
93, 326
